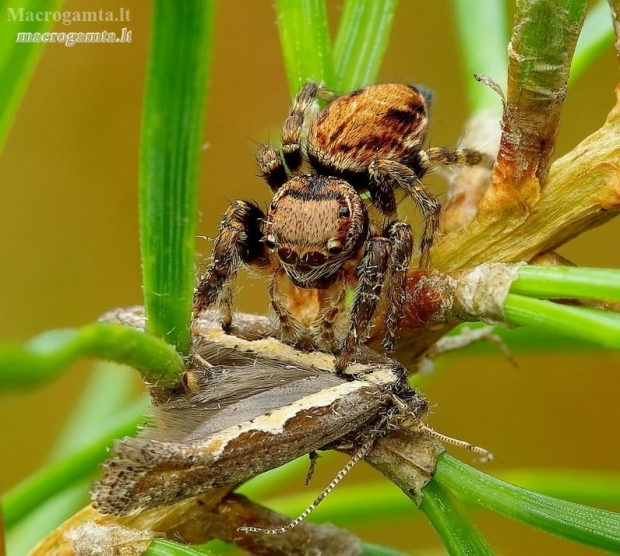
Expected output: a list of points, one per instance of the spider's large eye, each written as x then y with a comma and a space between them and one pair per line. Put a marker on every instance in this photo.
344, 212
269, 242
334, 247
287, 255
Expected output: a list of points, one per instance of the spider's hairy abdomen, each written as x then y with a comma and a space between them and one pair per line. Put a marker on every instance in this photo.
387, 121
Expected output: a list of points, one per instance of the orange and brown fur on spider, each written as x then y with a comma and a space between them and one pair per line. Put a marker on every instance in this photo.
318, 233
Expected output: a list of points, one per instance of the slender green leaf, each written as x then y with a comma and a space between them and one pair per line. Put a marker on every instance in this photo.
361, 41
483, 36
304, 36
163, 547
457, 532
49, 354
59, 475
522, 340
374, 550
567, 282
596, 35
18, 58
583, 524
172, 124
586, 487
582, 323
353, 504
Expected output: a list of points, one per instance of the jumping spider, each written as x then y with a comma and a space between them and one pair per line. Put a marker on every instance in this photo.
317, 232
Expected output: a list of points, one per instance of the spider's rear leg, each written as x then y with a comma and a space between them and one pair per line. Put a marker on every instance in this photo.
385, 174
460, 157
239, 241
294, 124
400, 237
371, 273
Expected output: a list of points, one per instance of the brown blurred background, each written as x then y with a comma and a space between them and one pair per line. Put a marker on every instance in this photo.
69, 247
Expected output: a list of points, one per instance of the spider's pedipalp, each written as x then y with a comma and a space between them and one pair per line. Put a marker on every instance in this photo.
271, 167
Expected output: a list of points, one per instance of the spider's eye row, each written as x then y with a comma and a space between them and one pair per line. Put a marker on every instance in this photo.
344, 212
314, 258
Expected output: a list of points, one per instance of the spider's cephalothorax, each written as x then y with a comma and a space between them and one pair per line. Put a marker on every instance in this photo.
317, 232
315, 224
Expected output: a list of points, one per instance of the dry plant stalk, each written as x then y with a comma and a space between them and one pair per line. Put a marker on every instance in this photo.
198, 520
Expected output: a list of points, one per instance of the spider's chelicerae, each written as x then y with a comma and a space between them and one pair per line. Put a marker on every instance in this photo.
317, 232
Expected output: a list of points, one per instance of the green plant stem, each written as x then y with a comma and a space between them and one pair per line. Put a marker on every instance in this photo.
579, 322
567, 282
456, 530
172, 124
47, 355
583, 524
545, 44
361, 41
304, 36
59, 475
541, 48
483, 36
18, 59
107, 392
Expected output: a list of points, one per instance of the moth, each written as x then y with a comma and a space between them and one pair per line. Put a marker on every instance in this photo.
249, 406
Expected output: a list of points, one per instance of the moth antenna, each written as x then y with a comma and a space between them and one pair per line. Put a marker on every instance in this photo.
360, 454
486, 455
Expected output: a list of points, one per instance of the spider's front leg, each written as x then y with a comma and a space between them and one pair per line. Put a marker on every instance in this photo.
371, 273
382, 273
239, 241
400, 237
387, 174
